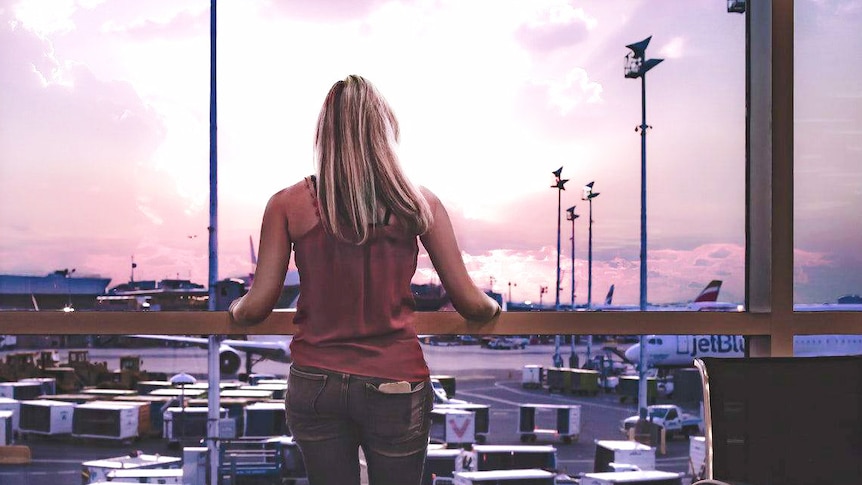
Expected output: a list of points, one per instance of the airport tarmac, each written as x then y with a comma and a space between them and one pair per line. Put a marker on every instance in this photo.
483, 376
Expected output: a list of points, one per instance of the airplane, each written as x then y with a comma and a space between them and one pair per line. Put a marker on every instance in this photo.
265, 347
664, 351
706, 300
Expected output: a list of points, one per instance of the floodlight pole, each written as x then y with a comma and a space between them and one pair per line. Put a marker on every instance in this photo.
559, 184
571, 216
213, 342
636, 66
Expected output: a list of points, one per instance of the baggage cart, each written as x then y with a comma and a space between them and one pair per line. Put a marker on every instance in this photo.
505, 477
106, 421
628, 388
622, 452
482, 413
6, 428
186, 424
447, 382
647, 477
507, 457
439, 464
563, 421
46, 417
9, 404
163, 476
264, 419
532, 376
256, 459
97, 470
454, 428
292, 466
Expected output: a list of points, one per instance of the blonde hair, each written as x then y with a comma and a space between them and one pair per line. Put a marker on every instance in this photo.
358, 168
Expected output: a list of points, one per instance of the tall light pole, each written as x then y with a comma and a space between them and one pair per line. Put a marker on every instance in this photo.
588, 196
559, 184
636, 66
571, 216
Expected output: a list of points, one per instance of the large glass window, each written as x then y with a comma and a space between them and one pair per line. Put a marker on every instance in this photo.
827, 155
105, 150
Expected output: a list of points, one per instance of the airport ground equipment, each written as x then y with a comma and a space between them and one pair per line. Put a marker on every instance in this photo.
439, 464
622, 452
505, 477
482, 414
6, 433
107, 420
195, 465
644, 477
20, 390
670, 417
48, 384
628, 389
292, 466
104, 393
697, 456
168, 476
455, 428
563, 421
235, 410
46, 417
146, 387
97, 470
532, 376
74, 398
278, 390
263, 419
574, 381
446, 382
507, 457
242, 460
14, 405
186, 424
157, 407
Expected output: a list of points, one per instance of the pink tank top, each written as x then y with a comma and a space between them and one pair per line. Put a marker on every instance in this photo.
355, 308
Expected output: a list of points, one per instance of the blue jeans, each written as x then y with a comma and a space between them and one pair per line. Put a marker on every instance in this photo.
332, 414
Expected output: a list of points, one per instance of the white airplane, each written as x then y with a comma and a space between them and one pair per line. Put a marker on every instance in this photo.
264, 347
706, 300
681, 350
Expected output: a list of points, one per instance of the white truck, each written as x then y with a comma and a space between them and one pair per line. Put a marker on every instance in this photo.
669, 416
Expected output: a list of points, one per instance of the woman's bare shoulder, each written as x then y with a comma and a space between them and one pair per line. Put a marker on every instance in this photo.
430, 197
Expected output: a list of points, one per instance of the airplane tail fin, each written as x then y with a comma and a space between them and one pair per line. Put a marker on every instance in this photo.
710, 293
251, 250
610, 297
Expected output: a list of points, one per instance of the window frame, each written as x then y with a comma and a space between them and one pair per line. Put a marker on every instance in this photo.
769, 321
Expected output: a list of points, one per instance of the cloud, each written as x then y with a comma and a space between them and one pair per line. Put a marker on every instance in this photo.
184, 24
323, 11
557, 27
674, 49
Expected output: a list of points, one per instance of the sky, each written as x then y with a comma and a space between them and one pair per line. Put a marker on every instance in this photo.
104, 134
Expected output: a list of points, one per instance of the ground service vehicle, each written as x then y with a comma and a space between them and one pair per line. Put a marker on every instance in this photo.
669, 416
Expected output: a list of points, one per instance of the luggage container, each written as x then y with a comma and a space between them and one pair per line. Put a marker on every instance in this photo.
559, 379
507, 457
264, 419
48, 384
157, 406
645, 477
108, 393
187, 424
623, 452
628, 388
482, 414
9, 404
439, 464
532, 377
697, 455
235, 409
178, 394
21, 391
255, 394
105, 420
561, 420
584, 381
146, 387
46, 417
447, 382
278, 390
97, 470
254, 459
75, 398
454, 428
505, 477
163, 476
6, 428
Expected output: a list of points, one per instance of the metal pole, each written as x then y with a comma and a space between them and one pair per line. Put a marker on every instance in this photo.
559, 207
590, 275
642, 366
573, 357
214, 377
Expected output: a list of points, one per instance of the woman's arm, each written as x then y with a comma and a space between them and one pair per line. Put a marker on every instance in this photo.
471, 302
272, 261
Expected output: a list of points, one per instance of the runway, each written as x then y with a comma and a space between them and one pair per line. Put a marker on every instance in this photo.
483, 376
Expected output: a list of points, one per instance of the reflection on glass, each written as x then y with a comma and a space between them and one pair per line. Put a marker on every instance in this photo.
827, 151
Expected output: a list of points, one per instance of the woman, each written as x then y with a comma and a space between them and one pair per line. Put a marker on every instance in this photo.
359, 377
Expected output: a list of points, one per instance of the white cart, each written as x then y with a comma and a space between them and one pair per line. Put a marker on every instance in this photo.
563, 421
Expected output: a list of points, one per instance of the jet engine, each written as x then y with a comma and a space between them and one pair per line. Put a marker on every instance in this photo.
228, 360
